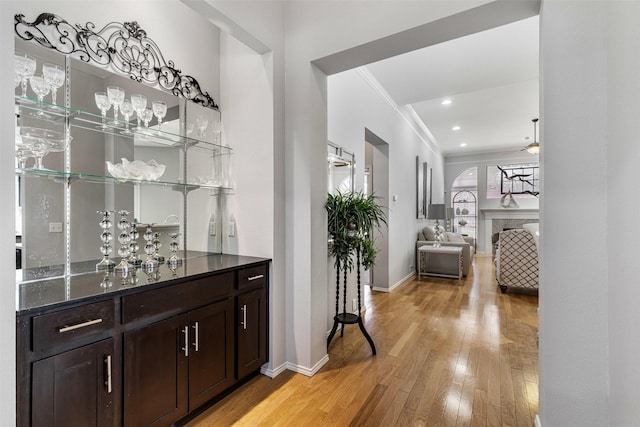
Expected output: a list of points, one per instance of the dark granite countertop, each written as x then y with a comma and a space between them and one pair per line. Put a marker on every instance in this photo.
47, 286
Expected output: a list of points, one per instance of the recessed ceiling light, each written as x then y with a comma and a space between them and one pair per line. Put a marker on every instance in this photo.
446, 101
463, 144
456, 127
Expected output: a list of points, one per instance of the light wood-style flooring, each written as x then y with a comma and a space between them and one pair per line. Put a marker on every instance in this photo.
448, 355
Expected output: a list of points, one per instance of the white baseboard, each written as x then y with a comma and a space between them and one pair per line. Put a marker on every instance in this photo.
395, 285
538, 423
306, 371
272, 373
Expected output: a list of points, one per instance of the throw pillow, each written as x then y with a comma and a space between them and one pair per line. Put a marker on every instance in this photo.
429, 233
455, 237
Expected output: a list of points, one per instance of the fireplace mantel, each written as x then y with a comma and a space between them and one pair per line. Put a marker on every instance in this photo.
487, 216
508, 213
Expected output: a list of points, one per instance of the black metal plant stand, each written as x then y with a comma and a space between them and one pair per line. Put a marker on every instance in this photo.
345, 318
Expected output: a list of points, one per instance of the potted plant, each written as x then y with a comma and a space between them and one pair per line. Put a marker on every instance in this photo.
352, 218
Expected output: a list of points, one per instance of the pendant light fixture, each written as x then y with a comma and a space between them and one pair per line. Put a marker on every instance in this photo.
534, 147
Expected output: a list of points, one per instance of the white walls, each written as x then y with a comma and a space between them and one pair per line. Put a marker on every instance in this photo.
576, 279
7, 221
623, 128
356, 103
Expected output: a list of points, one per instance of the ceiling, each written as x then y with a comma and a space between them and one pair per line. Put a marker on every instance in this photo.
491, 79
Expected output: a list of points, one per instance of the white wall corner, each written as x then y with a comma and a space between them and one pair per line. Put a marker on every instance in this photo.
538, 423
395, 285
272, 373
308, 371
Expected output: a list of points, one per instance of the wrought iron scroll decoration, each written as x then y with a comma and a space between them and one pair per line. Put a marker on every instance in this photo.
124, 46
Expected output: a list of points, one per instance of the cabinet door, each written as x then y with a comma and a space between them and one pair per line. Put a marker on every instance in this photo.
211, 354
74, 388
155, 373
252, 332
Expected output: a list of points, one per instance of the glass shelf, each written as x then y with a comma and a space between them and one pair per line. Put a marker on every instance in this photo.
82, 119
64, 177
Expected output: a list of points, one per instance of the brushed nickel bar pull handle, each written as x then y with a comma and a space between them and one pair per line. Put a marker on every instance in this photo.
79, 325
244, 316
196, 343
259, 276
107, 362
186, 341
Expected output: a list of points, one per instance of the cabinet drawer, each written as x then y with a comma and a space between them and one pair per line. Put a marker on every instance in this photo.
176, 299
63, 327
252, 277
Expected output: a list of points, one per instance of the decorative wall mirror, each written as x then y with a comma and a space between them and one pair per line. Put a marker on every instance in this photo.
341, 169
97, 147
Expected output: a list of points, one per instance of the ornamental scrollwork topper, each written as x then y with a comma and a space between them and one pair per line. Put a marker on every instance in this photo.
123, 46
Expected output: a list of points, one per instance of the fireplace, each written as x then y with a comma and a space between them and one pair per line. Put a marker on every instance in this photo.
496, 220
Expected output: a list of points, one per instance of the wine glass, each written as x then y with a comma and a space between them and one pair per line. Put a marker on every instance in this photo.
147, 115
127, 110
116, 98
159, 110
40, 87
201, 124
25, 67
54, 75
102, 101
139, 103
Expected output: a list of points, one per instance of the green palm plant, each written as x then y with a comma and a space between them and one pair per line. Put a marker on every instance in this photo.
352, 218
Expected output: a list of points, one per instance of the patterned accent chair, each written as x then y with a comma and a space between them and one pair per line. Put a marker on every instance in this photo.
517, 260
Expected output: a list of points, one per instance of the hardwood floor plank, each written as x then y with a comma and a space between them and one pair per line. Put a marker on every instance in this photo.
448, 355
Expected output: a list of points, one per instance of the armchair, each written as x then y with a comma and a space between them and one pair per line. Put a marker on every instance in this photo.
517, 260
426, 236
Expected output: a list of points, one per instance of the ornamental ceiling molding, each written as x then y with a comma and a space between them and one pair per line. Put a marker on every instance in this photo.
122, 46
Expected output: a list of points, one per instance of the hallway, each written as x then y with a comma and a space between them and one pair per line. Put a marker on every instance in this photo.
448, 355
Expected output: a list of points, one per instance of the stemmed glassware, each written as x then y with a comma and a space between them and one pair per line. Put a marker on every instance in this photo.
105, 224
216, 128
25, 67
127, 111
201, 123
103, 104
139, 103
159, 110
124, 238
147, 115
116, 98
173, 260
54, 76
40, 87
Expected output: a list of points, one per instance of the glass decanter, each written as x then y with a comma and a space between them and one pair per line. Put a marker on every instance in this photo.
173, 260
125, 239
105, 237
150, 263
157, 245
134, 247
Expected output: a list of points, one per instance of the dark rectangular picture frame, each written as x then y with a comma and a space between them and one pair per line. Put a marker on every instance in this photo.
420, 189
